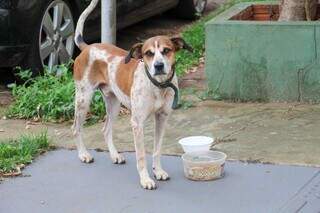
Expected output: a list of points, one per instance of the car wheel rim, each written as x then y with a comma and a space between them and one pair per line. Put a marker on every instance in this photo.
56, 35
200, 5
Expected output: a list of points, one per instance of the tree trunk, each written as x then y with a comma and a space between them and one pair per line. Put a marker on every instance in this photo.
298, 10
311, 9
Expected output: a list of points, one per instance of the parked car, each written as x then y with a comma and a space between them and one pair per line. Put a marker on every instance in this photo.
37, 33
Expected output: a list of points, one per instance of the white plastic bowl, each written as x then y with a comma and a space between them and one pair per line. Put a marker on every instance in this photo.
196, 143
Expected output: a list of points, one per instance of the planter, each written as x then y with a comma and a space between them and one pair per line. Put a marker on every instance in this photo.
252, 57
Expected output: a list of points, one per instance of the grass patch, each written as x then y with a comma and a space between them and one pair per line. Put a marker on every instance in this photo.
195, 36
49, 97
14, 154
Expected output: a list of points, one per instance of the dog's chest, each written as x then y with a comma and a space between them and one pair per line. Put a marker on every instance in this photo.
159, 98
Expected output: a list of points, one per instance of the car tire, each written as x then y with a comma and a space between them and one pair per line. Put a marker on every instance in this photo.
37, 56
190, 9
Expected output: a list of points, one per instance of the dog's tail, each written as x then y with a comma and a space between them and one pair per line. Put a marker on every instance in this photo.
78, 38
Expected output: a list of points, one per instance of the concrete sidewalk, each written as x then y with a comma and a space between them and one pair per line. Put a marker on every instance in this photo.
59, 182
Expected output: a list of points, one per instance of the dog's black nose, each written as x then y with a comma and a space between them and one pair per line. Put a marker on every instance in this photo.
159, 66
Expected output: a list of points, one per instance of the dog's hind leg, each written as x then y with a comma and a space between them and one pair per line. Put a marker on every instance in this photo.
160, 123
112, 108
83, 97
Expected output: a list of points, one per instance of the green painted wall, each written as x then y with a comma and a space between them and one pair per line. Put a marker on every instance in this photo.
263, 61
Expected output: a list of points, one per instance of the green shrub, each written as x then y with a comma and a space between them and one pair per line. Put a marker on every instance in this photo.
49, 97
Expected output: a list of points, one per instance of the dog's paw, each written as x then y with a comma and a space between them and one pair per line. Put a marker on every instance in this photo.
148, 183
118, 159
160, 174
85, 157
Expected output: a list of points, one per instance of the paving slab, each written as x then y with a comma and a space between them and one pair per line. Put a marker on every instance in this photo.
59, 182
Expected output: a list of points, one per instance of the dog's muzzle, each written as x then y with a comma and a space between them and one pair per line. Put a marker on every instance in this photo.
159, 68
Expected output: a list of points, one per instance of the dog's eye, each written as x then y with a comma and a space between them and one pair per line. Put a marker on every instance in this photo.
166, 51
149, 53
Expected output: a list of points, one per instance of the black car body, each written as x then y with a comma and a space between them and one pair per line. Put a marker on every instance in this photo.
20, 21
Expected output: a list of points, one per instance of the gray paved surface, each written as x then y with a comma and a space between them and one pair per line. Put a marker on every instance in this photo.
307, 199
59, 182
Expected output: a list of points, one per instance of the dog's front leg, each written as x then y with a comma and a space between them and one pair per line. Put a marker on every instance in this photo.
160, 123
137, 127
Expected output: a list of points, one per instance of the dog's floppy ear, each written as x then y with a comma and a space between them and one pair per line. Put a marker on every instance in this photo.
135, 52
179, 44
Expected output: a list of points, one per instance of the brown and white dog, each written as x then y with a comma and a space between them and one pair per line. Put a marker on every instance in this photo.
122, 77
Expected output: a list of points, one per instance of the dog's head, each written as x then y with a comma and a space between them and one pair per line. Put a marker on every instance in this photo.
158, 53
